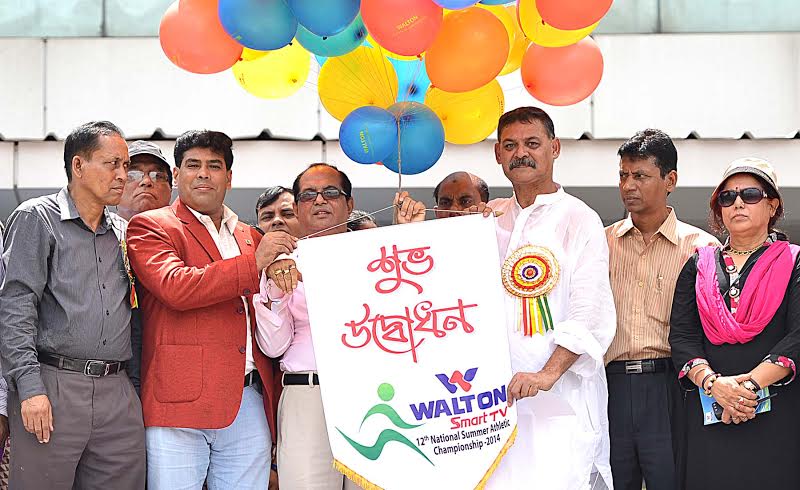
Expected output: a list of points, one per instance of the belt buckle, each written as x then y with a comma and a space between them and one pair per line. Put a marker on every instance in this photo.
633, 367
88, 369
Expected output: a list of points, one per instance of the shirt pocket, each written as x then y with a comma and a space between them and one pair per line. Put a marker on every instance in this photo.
179, 373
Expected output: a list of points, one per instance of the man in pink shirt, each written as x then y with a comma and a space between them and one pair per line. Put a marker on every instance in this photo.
323, 202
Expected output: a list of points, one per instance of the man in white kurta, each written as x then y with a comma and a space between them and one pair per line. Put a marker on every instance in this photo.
562, 440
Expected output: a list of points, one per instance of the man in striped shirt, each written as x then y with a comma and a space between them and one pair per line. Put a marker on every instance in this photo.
647, 251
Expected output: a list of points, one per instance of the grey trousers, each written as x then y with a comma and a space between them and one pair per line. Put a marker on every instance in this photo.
98, 437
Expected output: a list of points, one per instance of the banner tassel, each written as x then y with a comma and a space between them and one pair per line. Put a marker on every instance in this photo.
509, 443
355, 477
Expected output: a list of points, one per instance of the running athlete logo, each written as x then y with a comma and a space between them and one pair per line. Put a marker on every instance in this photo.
456, 380
385, 393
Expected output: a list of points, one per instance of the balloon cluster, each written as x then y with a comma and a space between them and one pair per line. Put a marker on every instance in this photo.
403, 76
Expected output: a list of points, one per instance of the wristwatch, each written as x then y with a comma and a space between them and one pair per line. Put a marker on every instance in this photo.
751, 385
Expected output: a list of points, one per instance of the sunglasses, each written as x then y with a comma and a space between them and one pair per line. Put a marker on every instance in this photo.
749, 195
328, 193
138, 175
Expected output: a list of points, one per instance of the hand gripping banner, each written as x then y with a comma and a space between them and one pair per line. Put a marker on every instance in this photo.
409, 334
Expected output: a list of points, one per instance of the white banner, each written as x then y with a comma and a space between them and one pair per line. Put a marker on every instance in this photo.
409, 334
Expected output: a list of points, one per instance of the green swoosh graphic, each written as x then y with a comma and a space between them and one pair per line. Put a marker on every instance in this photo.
374, 452
390, 413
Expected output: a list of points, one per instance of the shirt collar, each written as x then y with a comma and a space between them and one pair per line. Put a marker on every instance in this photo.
68, 210
66, 205
543, 199
668, 229
229, 218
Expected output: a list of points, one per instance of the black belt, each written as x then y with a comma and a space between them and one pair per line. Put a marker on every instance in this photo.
639, 367
88, 367
252, 378
297, 379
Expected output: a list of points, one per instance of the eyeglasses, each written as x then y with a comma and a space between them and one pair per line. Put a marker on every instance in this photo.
328, 193
138, 175
749, 195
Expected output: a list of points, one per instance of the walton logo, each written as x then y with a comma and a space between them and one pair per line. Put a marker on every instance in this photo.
458, 405
462, 380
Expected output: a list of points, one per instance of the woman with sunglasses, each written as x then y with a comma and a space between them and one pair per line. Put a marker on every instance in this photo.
735, 335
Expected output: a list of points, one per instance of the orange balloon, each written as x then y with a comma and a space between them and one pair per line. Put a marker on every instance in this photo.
571, 15
192, 37
469, 52
562, 76
405, 27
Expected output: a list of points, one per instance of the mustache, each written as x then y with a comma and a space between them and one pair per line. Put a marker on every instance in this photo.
522, 162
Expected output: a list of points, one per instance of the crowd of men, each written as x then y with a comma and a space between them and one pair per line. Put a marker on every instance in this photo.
168, 345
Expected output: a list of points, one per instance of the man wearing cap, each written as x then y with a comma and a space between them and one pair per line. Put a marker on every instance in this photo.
646, 253
64, 327
149, 183
149, 186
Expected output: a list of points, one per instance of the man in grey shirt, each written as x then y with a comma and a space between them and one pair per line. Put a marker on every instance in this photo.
65, 310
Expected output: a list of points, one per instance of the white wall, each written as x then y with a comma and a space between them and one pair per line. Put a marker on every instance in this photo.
717, 85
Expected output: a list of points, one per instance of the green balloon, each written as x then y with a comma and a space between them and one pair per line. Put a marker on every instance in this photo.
338, 44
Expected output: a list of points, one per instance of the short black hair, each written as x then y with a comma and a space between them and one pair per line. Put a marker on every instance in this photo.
483, 189
359, 218
652, 143
83, 141
270, 195
347, 187
215, 141
526, 114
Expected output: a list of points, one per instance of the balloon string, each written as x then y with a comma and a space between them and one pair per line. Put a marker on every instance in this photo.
373, 213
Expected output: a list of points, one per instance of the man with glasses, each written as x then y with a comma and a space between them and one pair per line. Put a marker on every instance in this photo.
323, 203
647, 251
149, 186
206, 411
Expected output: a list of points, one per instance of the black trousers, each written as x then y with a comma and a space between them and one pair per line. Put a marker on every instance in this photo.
645, 426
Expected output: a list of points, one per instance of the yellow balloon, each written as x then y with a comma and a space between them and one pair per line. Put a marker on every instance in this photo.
543, 34
361, 77
251, 54
372, 42
468, 117
517, 41
275, 74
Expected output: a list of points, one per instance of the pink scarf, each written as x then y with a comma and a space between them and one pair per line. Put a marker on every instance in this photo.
762, 294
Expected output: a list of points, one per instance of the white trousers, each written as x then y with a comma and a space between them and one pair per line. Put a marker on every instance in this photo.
304, 454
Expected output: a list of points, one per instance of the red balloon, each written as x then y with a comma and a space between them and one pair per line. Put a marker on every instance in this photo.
192, 37
571, 15
562, 76
405, 27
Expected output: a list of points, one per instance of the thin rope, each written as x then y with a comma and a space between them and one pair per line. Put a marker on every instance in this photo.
496, 214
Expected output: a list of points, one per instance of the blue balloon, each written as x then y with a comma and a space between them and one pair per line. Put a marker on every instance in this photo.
368, 134
263, 25
421, 139
321, 59
495, 2
455, 5
325, 18
338, 44
412, 80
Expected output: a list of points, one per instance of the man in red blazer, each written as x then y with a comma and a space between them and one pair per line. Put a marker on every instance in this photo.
197, 267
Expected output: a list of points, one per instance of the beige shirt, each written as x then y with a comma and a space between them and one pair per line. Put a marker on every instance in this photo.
643, 281
228, 248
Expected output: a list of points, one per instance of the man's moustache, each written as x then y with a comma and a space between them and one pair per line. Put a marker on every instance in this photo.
522, 162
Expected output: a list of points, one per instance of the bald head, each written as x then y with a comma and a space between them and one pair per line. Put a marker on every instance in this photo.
457, 192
